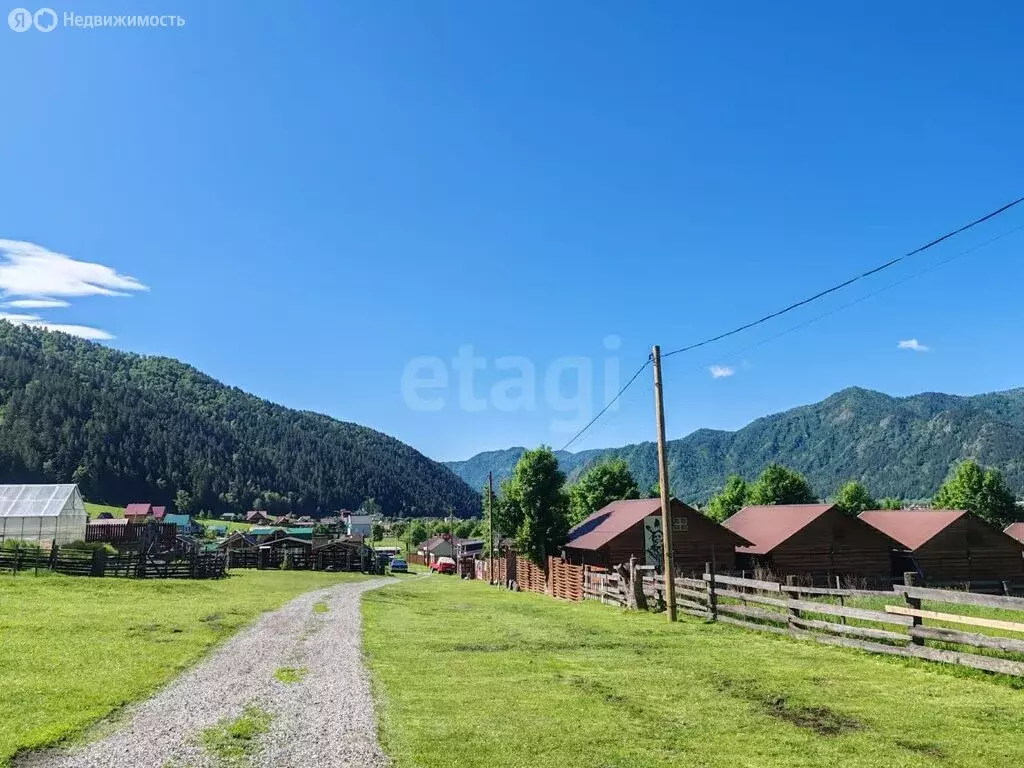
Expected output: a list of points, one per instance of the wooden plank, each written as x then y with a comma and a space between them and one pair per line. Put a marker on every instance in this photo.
751, 597
846, 629
692, 605
751, 612
987, 663
691, 583
851, 613
693, 594
955, 618
767, 586
964, 598
944, 635
751, 625
823, 591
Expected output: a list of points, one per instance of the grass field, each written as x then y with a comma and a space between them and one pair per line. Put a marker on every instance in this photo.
94, 510
73, 650
507, 680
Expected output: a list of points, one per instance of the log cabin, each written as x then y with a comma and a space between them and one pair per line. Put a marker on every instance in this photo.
949, 545
813, 541
632, 528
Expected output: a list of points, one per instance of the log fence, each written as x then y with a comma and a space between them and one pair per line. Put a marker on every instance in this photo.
99, 563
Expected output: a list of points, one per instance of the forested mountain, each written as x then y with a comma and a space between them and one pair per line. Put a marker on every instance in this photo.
896, 446
131, 428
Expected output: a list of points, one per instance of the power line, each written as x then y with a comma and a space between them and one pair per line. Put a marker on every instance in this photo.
845, 283
869, 295
611, 402
815, 297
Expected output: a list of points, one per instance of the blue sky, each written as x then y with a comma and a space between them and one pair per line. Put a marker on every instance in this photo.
316, 195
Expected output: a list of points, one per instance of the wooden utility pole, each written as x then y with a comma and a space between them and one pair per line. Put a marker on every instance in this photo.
666, 507
490, 527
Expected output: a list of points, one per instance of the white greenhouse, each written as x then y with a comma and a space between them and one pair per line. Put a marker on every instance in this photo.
42, 513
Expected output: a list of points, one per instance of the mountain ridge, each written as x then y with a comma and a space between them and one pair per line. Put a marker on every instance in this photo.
129, 427
897, 446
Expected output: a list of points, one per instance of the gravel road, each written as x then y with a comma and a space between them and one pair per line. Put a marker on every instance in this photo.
325, 719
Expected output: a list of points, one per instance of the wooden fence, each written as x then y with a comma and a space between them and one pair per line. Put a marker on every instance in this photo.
73, 562
531, 577
325, 559
879, 621
566, 580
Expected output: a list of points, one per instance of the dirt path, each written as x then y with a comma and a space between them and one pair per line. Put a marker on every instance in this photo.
320, 713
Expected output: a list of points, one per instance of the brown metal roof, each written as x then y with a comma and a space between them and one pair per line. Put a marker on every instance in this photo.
134, 510
770, 525
608, 522
619, 516
1016, 530
911, 527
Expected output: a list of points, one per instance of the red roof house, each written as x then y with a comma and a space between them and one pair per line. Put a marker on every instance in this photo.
1016, 530
632, 528
810, 539
138, 510
159, 512
949, 545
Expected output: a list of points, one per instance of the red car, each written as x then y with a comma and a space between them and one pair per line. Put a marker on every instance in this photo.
443, 565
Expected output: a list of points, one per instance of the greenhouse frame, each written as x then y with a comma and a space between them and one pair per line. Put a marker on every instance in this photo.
43, 513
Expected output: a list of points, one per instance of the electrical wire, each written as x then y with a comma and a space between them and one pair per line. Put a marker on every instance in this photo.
815, 297
845, 283
611, 402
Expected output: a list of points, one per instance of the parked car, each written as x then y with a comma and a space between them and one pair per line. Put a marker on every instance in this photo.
398, 565
444, 565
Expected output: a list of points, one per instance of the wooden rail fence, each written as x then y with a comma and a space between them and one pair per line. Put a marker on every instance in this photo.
72, 562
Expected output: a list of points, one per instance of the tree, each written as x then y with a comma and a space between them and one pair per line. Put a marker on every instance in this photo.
781, 485
890, 502
732, 498
982, 492
183, 503
853, 498
534, 506
464, 528
602, 484
371, 507
398, 529
376, 532
654, 492
418, 532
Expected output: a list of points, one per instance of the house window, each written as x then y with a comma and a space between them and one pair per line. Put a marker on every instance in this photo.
680, 524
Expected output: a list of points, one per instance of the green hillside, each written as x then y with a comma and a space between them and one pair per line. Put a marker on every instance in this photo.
132, 428
896, 446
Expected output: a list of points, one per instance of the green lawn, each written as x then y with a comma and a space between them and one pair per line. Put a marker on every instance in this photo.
74, 649
94, 510
501, 679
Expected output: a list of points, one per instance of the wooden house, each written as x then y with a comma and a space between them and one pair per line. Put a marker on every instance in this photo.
949, 545
632, 528
257, 517
1015, 530
810, 540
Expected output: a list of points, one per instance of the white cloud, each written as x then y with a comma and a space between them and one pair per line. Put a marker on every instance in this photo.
38, 303
913, 344
30, 270
34, 321
721, 371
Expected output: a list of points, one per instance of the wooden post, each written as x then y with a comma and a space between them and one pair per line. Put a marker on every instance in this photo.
99, 562
794, 613
842, 602
666, 508
490, 527
712, 598
910, 580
